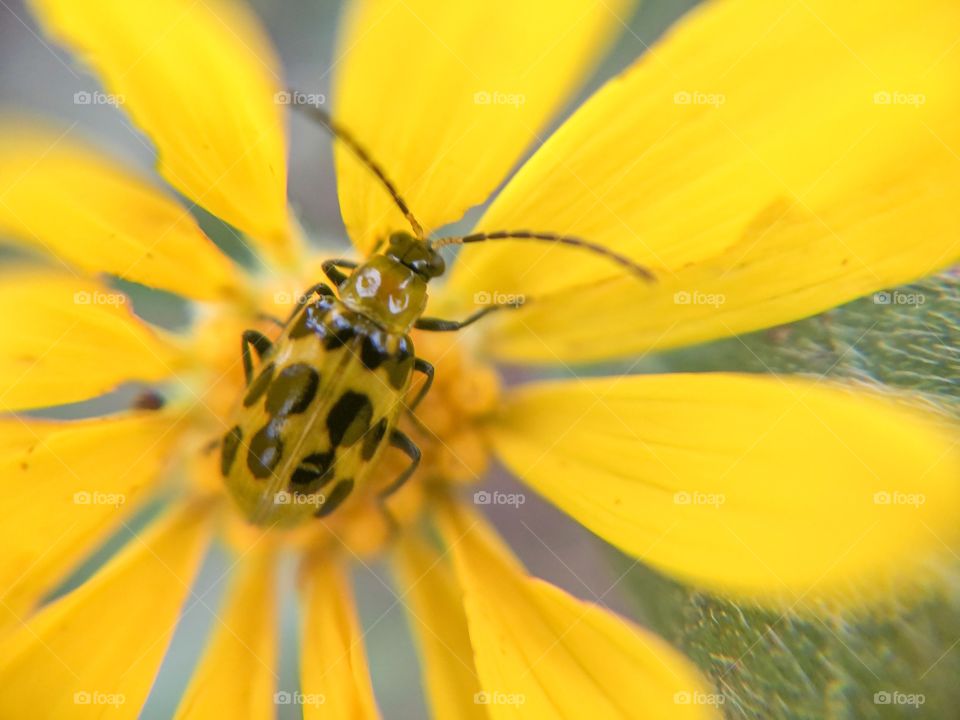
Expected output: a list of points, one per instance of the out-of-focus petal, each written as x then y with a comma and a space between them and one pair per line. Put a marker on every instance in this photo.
770, 489
203, 81
65, 339
435, 608
92, 213
768, 159
446, 96
95, 652
333, 664
67, 486
236, 677
543, 653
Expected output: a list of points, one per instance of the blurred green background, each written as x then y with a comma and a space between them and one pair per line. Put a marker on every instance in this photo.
767, 665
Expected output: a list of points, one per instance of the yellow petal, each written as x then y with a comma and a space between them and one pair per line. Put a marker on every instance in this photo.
236, 676
435, 608
543, 653
333, 672
67, 486
447, 96
94, 214
762, 487
65, 339
768, 160
94, 653
201, 79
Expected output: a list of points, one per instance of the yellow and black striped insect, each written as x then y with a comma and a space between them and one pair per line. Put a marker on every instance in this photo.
325, 401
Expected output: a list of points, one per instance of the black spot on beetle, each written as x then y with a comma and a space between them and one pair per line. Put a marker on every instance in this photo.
401, 364
349, 418
265, 451
293, 390
259, 386
315, 469
335, 498
310, 321
228, 449
373, 353
340, 331
303, 324
373, 438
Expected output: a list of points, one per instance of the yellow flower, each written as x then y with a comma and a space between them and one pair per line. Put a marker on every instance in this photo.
768, 160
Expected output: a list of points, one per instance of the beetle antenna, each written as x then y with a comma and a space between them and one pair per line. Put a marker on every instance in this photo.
622, 260
360, 152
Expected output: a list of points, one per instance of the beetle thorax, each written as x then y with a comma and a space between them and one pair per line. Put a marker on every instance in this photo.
386, 291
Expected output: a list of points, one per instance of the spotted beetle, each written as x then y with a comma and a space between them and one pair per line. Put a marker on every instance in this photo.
325, 401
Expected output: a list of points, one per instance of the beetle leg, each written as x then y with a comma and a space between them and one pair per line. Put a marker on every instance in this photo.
271, 319
400, 441
403, 443
432, 324
330, 269
259, 342
318, 289
421, 365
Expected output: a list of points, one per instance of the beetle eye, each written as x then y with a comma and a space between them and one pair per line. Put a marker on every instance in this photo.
437, 265
400, 238
429, 267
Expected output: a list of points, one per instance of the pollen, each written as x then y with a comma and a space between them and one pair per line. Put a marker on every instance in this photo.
465, 393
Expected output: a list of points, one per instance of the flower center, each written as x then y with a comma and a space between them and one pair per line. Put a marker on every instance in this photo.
447, 427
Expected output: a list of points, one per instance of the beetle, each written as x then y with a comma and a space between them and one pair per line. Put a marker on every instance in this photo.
325, 401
